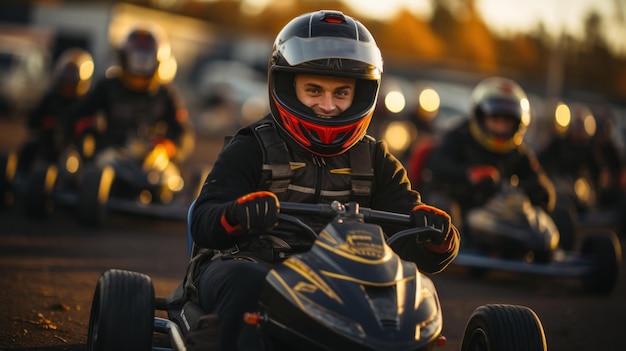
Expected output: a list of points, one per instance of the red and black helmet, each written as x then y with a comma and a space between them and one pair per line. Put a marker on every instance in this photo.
138, 54
324, 43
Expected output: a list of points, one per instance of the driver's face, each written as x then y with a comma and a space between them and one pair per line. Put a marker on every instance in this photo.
499, 125
326, 96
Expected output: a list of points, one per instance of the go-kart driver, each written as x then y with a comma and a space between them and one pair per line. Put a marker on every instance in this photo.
324, 77
472, 160
134, 102
71, 80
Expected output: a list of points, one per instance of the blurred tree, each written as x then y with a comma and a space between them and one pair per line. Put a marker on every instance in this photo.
468, 41
589, 63
476, 41
445, 25
524, 53
408, 39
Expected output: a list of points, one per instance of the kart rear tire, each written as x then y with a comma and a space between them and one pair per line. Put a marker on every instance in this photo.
122, 312
91, 203
605, 250
504, 328
38, 202
5, 182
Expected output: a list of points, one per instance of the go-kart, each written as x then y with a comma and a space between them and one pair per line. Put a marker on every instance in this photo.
46, 183
577, 208
509, 233
141, 179
350, 291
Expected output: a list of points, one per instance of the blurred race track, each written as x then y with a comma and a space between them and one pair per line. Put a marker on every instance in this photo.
49, 269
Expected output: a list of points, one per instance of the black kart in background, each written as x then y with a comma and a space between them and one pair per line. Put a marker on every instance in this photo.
508, 233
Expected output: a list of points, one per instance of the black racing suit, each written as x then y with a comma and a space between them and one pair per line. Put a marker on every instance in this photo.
129, 113
45, 124
458, 151
567, 160
231, 287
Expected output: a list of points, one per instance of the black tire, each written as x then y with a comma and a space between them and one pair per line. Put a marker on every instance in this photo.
565, 218
504, 328
5, 182
122, 312
9, 165
606, 252
93, 196
38, 202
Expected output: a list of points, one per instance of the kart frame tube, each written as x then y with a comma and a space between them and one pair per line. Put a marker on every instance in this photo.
167, 326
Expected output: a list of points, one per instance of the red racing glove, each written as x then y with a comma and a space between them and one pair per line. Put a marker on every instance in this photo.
250, 213
478, 174
429, 216
167, 144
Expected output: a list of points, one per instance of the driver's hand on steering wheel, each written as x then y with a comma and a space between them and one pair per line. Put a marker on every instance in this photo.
429, 216
253, 212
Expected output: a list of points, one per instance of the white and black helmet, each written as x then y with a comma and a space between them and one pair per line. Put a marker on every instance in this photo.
498, 96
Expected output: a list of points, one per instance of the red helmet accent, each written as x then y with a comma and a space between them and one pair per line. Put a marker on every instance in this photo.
304, 131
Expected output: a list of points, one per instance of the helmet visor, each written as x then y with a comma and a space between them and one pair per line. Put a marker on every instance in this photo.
297, 50
502, 107
142, 62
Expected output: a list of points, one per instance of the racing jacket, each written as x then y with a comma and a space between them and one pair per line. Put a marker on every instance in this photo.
239, 170
129, 113
45, 121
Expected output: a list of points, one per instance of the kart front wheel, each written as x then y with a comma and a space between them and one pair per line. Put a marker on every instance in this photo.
94, 195
41, 182
565, 218
122, 312
504, 328
6, 178
605, 251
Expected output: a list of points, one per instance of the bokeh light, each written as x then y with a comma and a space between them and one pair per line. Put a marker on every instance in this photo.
429, 100
562, 117
395, 102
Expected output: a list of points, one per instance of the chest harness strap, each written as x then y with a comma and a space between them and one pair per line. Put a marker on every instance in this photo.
277, 172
